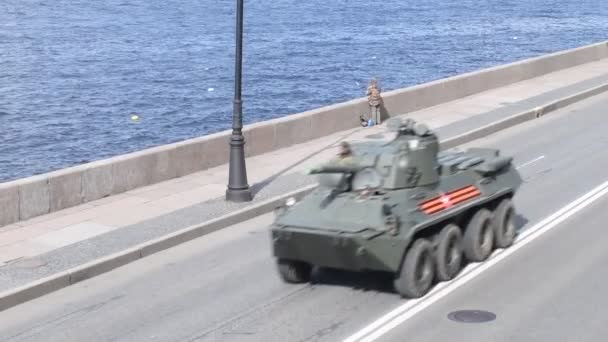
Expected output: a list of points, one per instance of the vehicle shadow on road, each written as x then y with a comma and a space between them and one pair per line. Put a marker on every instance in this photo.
520, 222
371, 281
360, 281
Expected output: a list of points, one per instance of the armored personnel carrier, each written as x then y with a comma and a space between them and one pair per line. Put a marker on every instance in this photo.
401, 207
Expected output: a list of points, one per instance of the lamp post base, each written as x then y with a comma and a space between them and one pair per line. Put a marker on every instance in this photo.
238, 189
238, 195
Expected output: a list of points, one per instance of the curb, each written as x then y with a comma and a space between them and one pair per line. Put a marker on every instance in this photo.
97, 267
102, 265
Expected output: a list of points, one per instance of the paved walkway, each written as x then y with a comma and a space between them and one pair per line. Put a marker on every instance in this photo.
71, 237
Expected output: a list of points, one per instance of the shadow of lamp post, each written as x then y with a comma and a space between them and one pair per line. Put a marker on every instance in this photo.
238, 189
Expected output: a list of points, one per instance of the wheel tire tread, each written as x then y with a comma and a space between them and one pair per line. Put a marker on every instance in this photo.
443, 274
472, 247
294, 272
499, 221
404, 283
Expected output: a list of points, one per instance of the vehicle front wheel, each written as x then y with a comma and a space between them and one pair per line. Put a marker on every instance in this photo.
417, 272
294, 272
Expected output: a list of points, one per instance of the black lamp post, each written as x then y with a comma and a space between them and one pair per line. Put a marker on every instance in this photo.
238, 189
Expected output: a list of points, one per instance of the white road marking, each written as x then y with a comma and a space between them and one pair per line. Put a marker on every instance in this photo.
530, 162
402, 313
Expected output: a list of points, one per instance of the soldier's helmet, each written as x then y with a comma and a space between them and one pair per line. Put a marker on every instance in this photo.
345, 149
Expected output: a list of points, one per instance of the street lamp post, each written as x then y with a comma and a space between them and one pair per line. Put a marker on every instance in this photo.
238, 189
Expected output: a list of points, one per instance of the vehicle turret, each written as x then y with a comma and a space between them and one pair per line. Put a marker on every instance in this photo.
407, 161
410, 159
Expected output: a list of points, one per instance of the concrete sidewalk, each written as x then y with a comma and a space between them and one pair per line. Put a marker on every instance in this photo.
43, 246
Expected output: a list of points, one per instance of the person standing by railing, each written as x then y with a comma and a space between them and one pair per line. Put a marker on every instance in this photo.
375, 100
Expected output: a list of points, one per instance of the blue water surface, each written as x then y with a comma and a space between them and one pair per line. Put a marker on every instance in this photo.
72, 72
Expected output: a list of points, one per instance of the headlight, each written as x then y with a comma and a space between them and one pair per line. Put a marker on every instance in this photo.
278, 211
290, 201
392, 224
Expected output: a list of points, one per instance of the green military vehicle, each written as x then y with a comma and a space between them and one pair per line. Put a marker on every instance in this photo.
401, 207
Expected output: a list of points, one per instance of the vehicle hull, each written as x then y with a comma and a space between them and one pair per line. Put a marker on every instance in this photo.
353, 252
402, 208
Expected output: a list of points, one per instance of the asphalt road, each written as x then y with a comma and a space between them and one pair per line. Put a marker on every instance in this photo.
553, 289
224, 287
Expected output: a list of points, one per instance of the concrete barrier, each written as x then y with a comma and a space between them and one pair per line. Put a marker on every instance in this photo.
42, 194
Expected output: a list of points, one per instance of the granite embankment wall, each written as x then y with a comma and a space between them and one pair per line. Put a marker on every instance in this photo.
38, 195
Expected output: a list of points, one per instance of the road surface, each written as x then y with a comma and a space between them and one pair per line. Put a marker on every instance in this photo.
224, 286
553, 289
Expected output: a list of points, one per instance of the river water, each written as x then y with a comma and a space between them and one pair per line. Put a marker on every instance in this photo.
73, 72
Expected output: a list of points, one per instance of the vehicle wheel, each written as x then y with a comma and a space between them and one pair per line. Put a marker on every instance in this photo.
294, 271
504, 224
479, 236
417, 272
449, 252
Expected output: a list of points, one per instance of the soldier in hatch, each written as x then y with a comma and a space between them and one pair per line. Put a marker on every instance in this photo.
345, 155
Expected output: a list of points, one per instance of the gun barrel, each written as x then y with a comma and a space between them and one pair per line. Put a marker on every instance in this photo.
336, 169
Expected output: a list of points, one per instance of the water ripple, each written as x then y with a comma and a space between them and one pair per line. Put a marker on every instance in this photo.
72, 72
